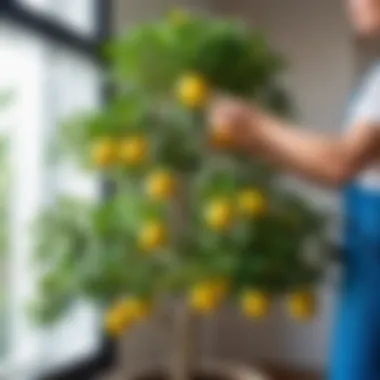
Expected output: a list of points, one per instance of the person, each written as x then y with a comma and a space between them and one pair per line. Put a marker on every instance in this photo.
350, 161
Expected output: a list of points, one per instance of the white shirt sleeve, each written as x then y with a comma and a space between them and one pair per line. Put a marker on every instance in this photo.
368, 103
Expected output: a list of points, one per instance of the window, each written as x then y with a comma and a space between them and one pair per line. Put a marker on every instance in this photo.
48, 62
4, 193
78, 16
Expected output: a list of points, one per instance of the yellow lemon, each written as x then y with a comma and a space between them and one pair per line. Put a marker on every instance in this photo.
219, 214
252, 202
153, 236
116, 323
205, 298
161, 185
302, 305
193, 91
104, 153
133, 150
179, 16
255, 304
134, 309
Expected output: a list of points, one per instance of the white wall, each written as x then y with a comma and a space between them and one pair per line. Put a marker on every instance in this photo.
315, 38
129, 12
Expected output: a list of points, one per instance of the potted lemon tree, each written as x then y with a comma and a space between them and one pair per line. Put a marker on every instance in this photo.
187, 216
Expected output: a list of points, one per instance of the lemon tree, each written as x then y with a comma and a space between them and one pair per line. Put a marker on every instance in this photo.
188, 214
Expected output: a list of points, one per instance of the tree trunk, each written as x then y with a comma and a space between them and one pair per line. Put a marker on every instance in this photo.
184, 324
183, 347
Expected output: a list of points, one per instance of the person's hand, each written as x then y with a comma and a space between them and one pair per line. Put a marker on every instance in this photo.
234, 121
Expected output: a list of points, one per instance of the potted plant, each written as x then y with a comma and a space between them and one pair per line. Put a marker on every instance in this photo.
186, 214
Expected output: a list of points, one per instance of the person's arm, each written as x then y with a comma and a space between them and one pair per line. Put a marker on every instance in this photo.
327, 159
323, 158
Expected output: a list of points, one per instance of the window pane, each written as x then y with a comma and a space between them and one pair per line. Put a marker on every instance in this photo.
73, 94
4, 225
70, 94
78, 15
45, 92
22, 71
8, 112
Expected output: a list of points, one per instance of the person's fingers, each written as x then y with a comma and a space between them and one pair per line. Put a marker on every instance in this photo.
228, 113
223, 104
220, 117
217, 112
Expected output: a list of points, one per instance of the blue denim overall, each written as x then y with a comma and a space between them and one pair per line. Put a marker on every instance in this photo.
356, 340
356, 347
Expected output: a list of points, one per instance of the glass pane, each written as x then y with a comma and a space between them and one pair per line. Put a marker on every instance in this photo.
7, 112
69, 95
45, 91
23, 72
4, 226
73, 94
78, 15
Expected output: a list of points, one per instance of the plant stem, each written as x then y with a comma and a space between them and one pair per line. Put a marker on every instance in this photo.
183, 354
184, 326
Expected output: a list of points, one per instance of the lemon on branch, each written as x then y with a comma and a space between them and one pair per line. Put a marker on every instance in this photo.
153, 236
125, 313
134, 309
161, 185
193, 91
219, 214
133, 150
252, 203
255, 304
207, 297
116, 322
104, 152
302, 305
